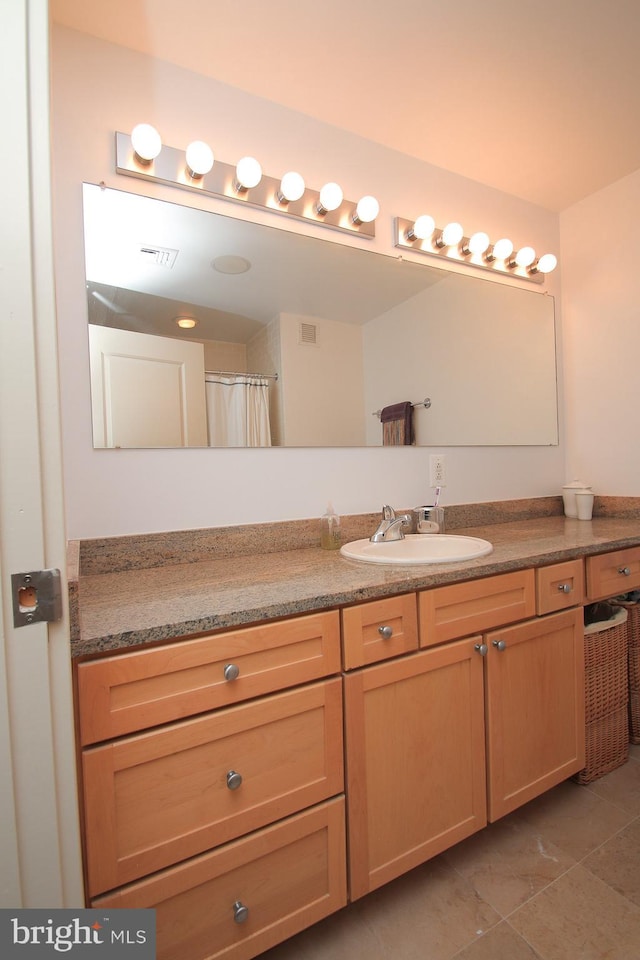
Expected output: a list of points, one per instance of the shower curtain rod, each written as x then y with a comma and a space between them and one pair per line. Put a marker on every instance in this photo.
235, 373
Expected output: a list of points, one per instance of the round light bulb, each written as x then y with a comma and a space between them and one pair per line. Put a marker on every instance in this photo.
248, 173
452, 234
199, 158
146, 142
186, 323
330, 197
547, 263
525, 256
478, 242
291, 186
502, 249
367, 210
422, 228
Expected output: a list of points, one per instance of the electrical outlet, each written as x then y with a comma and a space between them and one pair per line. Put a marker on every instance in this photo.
437, 471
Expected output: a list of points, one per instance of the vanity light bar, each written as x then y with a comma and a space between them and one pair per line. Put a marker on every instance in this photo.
170, 166
478, 251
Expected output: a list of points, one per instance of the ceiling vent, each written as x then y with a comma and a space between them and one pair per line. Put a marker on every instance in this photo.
308, 334
159, 256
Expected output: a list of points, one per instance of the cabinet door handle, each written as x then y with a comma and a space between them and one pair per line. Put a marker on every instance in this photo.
233, 780
481, 649
385, 632
500, 644
240, 912
231, 671
565, 587
625, 571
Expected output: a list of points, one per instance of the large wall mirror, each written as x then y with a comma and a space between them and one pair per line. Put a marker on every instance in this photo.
299, 341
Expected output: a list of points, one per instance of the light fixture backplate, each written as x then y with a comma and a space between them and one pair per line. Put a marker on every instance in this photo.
455, 255
170, 168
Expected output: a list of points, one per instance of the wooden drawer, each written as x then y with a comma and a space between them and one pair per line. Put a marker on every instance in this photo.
162, 796
610, 574
559, 586
289, 876
379, 630
132, 691
461, 609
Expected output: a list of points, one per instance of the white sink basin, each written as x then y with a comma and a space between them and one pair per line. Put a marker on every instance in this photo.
418, 548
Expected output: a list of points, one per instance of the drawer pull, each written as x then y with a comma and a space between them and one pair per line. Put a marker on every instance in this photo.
481, 648
233, 780
500, 644
385, 632
240, 912
625, 571
565, 587
231, 671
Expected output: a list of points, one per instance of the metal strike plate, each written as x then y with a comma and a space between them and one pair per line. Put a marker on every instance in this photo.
37, 597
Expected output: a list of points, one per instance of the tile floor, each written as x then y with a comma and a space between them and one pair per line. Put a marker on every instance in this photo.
558, 879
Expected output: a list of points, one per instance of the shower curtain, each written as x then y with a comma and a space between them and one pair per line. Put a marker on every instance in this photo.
238, 410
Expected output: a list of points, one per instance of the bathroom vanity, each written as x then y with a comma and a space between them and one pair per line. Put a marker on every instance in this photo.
248, 770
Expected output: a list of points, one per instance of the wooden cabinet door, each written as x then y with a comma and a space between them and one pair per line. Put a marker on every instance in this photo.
162, 796
379, 630
559, 586
535, 708
613, 573
246, 896
415, 760
128, 692
463, 609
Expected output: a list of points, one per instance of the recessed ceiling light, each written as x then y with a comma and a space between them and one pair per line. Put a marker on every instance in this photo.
231, 263
186, 323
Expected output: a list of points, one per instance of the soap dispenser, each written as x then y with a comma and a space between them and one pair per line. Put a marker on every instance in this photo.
330, 537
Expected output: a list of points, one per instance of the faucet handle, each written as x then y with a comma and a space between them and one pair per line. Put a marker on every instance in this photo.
388, 513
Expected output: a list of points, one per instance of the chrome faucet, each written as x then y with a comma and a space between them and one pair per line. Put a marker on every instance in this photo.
390, 527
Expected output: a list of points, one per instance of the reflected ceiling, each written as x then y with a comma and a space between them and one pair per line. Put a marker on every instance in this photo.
150, 261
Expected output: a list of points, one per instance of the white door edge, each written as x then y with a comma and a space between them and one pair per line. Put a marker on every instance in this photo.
39, 827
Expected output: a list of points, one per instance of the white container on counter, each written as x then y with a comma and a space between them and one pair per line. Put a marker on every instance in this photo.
569, 496
584, 504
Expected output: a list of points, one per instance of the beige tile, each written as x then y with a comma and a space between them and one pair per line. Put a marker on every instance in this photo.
509, 862
617, 862
342, 936
574, 818
579, 916
621, 786
431, 912
500, 943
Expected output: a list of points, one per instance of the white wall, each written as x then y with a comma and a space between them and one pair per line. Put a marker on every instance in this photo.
322, 383
99, 88
601, 316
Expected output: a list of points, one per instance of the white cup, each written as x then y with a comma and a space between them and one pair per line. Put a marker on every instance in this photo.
584, 504
569, 496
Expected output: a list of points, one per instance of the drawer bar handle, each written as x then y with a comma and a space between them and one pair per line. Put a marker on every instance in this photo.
231, 671
481, 649
500, 644
625, 571
233, 780
385, 632
565, 587
240, 912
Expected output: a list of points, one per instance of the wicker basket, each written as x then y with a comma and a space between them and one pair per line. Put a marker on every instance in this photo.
607, 746
633, 640
606, 697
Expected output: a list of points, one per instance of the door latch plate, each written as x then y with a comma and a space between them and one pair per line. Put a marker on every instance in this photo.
37, 597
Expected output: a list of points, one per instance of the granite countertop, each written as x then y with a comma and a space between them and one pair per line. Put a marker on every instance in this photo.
126, 608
